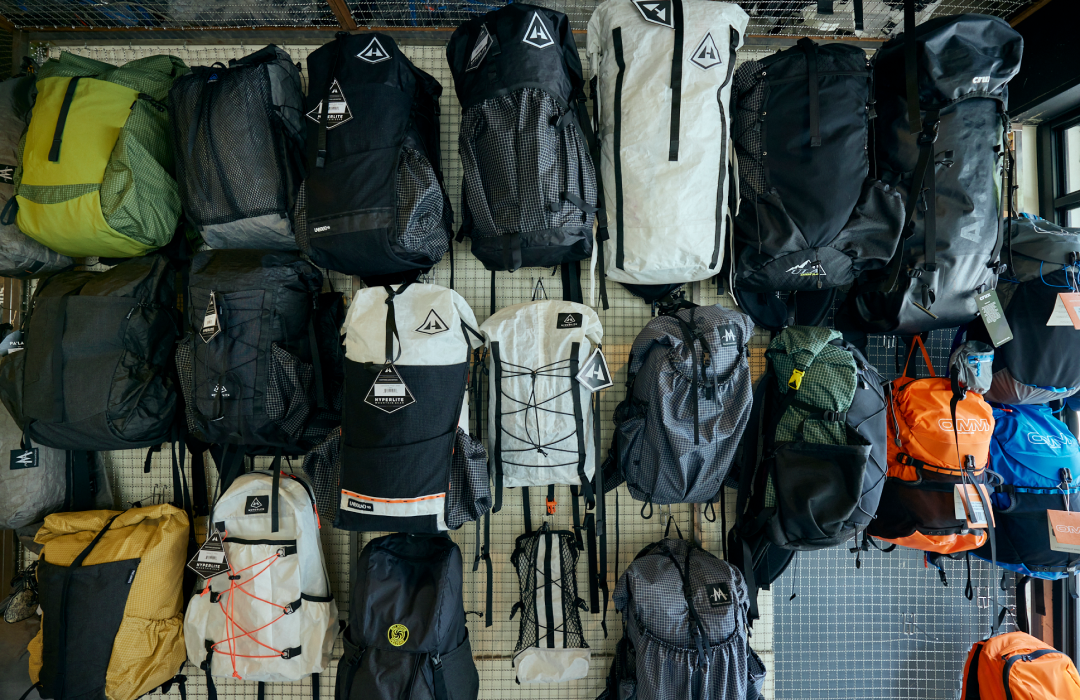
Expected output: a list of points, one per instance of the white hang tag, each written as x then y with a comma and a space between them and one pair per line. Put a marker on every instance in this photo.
1066, 310
594, 375
389, 392
210, 325
210, 560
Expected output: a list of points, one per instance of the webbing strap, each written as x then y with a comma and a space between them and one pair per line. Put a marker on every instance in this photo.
391, 319
571, 282
490, 577
601, 514
617, 47
526, 512
211, 689
593, 140
971, 678
579, 423
911, 68
549, 603
61, 121
810, 50
275, 491
926, 142
496, 366
437, 679
316, 363
79, 480
676, 79
324, 114
315, 686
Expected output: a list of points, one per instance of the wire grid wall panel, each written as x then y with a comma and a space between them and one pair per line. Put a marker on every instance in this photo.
785, 18
784, 634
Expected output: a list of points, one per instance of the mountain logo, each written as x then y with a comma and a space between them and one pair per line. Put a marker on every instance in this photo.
433, 324
374, 52
719, 594
657, 12
537, 34
706, 55
255, 505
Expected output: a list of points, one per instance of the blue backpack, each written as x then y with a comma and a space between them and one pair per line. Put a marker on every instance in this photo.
1038, 460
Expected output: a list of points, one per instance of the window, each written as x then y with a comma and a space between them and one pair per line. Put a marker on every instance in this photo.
1059, 177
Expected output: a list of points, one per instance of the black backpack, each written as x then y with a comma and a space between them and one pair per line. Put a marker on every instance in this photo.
96, 370
374, 201
407, 636
529, 195
262, 366
812, 218
238, 135
945, 150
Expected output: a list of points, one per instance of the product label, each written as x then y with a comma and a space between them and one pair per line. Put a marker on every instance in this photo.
210, 325
7, 173
256, 505
24, 459
594, 374
568, 321
1066, 310
389, 392
1064, 530
210, 560
719, 594
657, 12
480, 49
977, 518
337, 112
993, 317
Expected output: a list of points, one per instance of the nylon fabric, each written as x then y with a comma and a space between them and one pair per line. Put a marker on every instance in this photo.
1017, 666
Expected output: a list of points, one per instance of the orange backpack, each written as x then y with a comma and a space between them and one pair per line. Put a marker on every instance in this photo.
1017, 666
939, 436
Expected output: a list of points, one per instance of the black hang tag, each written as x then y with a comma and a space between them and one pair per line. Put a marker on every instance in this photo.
256, 505
211, 326
568, 321
337, 112
24, 459
388, 393
993, 317
480, 49
7, 173
210, 560
594, 374
719, 594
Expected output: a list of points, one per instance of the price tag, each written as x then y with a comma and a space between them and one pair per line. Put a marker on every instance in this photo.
993, 317
1066, 310
210, 560
389, 392
977, 518
594, 374
210, 326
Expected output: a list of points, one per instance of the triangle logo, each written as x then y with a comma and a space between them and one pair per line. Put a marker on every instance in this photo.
433, 324
594, 374
374, 52
538, 34
706, 55
657, 11
256, 503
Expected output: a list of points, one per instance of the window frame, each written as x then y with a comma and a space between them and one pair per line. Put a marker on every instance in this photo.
1054, 203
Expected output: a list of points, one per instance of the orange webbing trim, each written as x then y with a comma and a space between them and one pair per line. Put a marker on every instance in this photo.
231, 626
917, 340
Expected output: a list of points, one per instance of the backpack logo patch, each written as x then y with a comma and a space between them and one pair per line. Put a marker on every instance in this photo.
966, 426
719, 594
537, 34
389, 393
7, 174
480, 49
706, 55
256, 505
397, 634
1054, 442
337, 111
131, 576
24, 459
807, 269
594, 374
657, 12
374, 52
362, 506
433, 324
729, 338
568, 321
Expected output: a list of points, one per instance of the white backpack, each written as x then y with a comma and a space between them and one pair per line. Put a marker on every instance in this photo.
277, 621
664, 70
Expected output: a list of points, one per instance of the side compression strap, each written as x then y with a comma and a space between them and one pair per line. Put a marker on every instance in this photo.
496, 367
810, 50
61, 121
601, 514
616, 44
80, 494
275, 491
676, 79
926, 141
324, 113
911, 68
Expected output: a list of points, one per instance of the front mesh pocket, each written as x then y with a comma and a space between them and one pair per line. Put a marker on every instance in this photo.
470, 490
420, 226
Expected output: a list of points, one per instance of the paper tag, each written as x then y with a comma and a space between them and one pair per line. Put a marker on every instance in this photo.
978, 517
1064, 530
337, 109
210, 326
24, 459
210, 560
594, 374
993, 317
1066, 310
389, 392
480, 49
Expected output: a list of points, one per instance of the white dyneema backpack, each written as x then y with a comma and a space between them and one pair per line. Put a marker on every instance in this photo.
664, 71
269, 616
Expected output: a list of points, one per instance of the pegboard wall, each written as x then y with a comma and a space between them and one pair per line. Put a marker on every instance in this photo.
886, 630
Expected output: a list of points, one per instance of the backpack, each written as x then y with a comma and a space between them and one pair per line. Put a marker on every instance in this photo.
20, 255
685, 628
664, 130
687, 402
529, 195
551, 646
95, 373
811, 217
374, 200
261, 367
948, 156
269, 614
239, 139
939, 437
1038, 461
405, 428
110, 587
95, 172
1039, 364
407, 635
1017, 665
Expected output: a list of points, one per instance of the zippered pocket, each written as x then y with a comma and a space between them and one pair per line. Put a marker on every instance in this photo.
1040, 674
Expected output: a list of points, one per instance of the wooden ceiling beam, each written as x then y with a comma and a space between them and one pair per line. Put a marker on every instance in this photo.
344, 16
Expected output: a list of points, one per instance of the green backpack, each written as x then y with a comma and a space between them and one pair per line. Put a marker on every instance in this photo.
96, 164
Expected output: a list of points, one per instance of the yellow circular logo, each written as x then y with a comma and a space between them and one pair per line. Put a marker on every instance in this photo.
397, 634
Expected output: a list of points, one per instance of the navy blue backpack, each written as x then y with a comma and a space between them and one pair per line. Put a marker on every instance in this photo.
1038, 460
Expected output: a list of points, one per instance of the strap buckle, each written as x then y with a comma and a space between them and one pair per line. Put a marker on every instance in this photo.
929, 133
551, 506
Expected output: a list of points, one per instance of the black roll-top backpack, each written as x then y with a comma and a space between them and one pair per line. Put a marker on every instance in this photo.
374, 201
262, 365
812, 217
945, 150
238, 135
407, 636
529, 195
96, 370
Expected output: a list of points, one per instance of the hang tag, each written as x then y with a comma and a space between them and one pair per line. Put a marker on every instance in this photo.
210, 326
24, 459
480, 49
12, 342
337, 111
210, 560
993, 317
978, 517
594, 374
1066, 310
1064, 530
389, 392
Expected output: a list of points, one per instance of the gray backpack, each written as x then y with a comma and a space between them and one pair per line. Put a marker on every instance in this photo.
686, 633
20, 255
686, 407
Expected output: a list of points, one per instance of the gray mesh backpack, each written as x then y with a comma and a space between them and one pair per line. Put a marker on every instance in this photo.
687, 404
20, 255
239, 137
551, 646
529, 198
686, 632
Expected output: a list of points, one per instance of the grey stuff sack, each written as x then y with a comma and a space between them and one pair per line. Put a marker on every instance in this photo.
20, 255
686, 633
687, 405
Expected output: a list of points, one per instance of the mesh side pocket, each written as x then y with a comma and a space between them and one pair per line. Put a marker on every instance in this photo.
749, 99
323, 466
420, 207
187, 380
470, 490
289, 391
